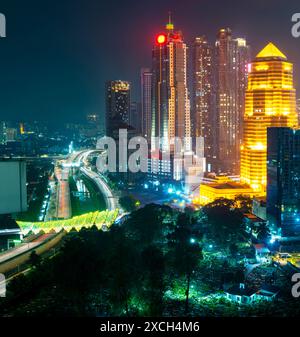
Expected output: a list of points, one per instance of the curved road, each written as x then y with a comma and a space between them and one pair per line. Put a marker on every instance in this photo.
110, 200
81, 157
24, 247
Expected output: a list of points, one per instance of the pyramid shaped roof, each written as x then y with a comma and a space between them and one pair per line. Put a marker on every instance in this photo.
270, 50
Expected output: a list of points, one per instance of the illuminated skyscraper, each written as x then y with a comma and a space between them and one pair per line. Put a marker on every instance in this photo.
146, 99
170, 101
2, 132
283, 173
270, 102
117, 105
203, 96
135, 117
92, 118
11, 134
232, 56
243, 58
298, 109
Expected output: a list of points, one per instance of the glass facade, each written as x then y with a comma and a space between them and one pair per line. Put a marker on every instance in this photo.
283, 177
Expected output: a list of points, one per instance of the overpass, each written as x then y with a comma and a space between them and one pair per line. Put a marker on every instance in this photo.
54, 231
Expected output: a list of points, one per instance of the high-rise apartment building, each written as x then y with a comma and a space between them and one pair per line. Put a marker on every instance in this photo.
11, 134
298, 109
270, 102
135, 117
93, 118
146, 101
203, 113
232, 56
283, 177
2, 132
170, 99
243, 58
117, 105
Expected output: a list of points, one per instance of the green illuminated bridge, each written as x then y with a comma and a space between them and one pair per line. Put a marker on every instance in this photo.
98, 219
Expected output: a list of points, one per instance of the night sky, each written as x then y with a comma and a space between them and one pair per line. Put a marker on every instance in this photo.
58, 54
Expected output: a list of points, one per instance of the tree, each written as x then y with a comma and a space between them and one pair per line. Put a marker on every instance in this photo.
129, 203
34, 259
78, 270
123, 272
225, 222
148, 225
233, 249
186, 253
262, 231
243, 203
153, 269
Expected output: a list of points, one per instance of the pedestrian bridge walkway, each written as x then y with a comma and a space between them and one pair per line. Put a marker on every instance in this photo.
100, 219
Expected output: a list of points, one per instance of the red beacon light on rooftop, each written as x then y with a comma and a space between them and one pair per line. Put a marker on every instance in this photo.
161, 38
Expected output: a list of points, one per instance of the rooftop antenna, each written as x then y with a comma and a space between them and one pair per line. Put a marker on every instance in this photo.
170, 25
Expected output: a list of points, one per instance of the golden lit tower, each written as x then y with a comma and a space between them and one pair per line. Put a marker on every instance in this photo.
270, 102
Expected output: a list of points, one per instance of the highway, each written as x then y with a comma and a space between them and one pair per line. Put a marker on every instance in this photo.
81, 158
110, 200
63, 190
19, 254
24, 247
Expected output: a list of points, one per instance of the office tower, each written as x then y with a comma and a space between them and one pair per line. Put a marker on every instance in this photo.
170, 101
270, 102
94, 127
135, 117
243, 58
11, 134
146, 99
298, 109
93, 118
232, 55
203, 97
283, 177
22, 129
2, 132
117, 105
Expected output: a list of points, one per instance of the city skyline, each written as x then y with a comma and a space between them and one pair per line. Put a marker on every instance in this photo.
149, 161
72, 85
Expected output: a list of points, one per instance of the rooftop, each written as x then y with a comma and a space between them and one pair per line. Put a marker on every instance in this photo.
252, 217
241, 290
270, 51
228, 185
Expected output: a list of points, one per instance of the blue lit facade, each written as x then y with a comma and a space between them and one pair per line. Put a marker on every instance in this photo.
283, 176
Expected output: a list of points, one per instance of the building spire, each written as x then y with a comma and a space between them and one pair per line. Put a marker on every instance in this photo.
170, 25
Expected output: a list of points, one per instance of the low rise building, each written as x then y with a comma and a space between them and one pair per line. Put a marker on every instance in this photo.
243, 294
222, 187
259, 207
